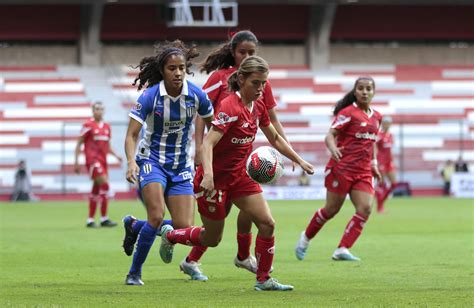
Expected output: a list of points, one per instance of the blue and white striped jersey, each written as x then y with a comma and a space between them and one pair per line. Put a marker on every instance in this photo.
168, 123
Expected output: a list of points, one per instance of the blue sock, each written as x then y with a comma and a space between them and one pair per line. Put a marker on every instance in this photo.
145, 241
138, 226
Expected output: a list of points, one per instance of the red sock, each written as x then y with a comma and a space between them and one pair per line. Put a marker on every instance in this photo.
187, 236
264, 251
93, 198
388, 191
316, 223
244, 240
353, 230
379, 193
103, 192
196, 253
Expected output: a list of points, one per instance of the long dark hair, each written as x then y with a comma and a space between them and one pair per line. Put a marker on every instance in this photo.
349, 98
222, 57
151, 68
252, 64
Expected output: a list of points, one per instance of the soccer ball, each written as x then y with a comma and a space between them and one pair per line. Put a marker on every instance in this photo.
265, 165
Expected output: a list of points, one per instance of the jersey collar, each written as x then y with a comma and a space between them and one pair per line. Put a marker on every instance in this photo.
240, 99
371, 111
184, 90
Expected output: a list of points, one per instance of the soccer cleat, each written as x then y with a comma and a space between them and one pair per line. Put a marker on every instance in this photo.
271, 284
343, 254
134, 280
249, 264
301, 246
166, 248
108, 223
130, 238
91, 225
192, 269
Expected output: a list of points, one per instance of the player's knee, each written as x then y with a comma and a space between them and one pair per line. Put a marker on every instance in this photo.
181, 223
365, 210
266, 227
155, 220
331, 212
213, 241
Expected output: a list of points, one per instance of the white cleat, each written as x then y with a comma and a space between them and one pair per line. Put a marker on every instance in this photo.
301, 246
249, 264
192, 269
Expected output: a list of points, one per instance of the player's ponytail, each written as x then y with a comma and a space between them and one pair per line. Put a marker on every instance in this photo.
350, 98
151, 68
222, 56
252, 64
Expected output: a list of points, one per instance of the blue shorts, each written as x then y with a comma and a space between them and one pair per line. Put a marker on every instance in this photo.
174, 182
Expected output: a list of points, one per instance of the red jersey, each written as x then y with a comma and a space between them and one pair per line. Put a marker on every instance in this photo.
357, 135
384, 147
216, 88
239, 125
96, 141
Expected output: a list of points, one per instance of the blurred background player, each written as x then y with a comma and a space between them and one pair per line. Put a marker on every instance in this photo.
223, 62
219, 183
96, 134
385, 164
162, 166
22, 188
447, 172
351, 141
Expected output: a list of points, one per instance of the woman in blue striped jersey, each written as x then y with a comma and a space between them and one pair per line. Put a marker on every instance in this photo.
162, 166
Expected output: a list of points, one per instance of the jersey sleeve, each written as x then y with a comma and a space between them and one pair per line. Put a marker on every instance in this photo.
225, 116
341, 120
213, 86
268, 98
143, 107
205, 108
85, 129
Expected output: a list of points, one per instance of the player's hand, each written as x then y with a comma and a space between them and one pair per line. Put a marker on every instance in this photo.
336, 153
77, 168
376, 173
207, 185
307, 167
132, 172
293, 166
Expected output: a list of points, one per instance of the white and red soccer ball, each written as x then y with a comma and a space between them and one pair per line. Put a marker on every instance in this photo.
265, 165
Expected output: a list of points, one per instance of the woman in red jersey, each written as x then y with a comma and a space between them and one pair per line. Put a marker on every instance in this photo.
351, 141
223, 62
385, 163
219, 183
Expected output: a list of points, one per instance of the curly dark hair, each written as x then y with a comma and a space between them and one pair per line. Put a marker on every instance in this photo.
151, 68
222, 56
349, 98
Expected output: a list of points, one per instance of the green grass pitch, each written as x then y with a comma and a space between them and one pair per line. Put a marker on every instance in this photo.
420, 253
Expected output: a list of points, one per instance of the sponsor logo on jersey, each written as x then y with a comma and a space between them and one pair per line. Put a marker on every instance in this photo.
366, 136
186, 175
242, 140
138, 107
363, 124
174, 123
245, 125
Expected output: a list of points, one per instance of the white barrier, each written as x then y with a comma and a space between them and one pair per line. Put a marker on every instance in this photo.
462, 185
294, 192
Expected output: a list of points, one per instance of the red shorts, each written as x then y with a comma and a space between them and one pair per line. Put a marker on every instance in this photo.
217, 206
96, 169
343, 183
386, 167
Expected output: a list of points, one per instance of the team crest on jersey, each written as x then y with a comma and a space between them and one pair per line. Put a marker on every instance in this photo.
138, 107
211, 208
222, 118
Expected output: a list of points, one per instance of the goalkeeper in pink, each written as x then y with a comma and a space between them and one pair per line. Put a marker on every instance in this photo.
222, 182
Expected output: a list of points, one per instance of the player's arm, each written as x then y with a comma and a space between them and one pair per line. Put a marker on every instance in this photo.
131, 138
111, 151
374, 164
284, 148
331, 144
77, 151
279, 128
209, 142
199, 136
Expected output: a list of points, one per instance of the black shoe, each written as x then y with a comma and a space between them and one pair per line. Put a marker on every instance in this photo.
134, 280
108, 223
91, 225
130, 238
